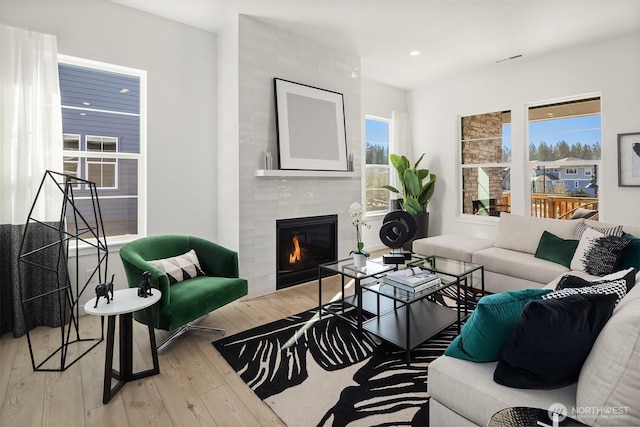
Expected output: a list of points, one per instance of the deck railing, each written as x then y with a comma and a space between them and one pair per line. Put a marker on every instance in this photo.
550, 206
545, 205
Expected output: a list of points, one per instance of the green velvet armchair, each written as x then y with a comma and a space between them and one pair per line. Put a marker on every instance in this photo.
184, 303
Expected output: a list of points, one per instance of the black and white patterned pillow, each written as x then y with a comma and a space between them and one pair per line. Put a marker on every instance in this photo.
179, 268
598, 254
573, 281
618, 287
607, 231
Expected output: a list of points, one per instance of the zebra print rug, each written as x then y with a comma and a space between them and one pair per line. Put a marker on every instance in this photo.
313, 371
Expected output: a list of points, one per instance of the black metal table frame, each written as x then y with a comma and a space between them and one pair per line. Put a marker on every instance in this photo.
399, 303
461, 279
126, 373
357, 296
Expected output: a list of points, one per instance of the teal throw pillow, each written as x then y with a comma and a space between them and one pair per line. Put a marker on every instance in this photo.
490, 324
631, 257
555, 249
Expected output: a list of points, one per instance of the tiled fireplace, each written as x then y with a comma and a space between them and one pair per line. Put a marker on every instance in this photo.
265, 52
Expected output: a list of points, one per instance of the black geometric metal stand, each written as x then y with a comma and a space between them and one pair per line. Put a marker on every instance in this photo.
79, 224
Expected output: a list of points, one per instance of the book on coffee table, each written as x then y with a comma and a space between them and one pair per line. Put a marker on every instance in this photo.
412, 279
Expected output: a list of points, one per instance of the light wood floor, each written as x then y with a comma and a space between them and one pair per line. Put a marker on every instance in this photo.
195, 386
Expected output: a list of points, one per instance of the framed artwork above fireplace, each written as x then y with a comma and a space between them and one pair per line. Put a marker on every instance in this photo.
310, 127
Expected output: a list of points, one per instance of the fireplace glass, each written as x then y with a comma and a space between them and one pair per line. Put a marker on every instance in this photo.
303, 244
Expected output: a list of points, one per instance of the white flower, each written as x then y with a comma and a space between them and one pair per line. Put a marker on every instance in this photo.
356, 213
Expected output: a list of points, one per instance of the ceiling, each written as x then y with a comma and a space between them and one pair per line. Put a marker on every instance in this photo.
451, 35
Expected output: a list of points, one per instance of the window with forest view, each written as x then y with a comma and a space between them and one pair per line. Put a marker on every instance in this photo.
377, 164
564, 156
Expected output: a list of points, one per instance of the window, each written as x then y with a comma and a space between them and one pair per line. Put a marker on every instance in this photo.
71, 164
377, 164
102, 171
485, 163
564, 137
103, 120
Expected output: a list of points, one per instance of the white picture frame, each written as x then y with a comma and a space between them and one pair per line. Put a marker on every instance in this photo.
311, 128
629, 159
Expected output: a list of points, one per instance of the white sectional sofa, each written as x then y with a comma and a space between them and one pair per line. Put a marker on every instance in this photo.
607, 392
464, 393
509, 260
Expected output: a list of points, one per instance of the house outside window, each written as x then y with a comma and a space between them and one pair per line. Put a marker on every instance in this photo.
564, 137
103, 120
485, 163
377, 164
102, 171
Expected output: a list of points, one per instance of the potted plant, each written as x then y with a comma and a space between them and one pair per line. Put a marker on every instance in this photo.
418, 186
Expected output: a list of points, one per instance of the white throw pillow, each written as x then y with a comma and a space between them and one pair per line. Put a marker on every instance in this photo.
181, 267
588, 236
598, 254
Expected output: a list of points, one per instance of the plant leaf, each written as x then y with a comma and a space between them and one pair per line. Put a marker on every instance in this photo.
411, 183
390, 188
412, 206
419, 160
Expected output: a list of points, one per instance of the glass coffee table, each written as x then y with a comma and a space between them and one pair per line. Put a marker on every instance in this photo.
405, 319
417, 316
468, 277
414, 316
346, 269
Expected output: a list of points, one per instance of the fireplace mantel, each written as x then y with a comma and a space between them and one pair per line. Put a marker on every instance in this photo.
277, 173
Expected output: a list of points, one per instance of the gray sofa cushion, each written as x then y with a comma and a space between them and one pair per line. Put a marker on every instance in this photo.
451, 246
468, 389
610, 378
522, 233
518, 264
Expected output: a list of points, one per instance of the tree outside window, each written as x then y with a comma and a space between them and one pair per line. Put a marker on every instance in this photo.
377, 164
564, 155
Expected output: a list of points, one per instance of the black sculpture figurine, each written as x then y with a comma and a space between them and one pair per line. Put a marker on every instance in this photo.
103, 289
144, 289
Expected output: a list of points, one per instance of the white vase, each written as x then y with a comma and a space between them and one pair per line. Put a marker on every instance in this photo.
359, 260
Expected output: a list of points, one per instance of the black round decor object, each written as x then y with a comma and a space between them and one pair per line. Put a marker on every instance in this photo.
397, 228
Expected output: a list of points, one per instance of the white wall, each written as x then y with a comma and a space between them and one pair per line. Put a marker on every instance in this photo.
378, 100
227, 158
181, 69
611, 69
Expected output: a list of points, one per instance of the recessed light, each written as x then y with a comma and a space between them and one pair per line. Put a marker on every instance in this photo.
125, 90
86, 103
414, 53
83, 114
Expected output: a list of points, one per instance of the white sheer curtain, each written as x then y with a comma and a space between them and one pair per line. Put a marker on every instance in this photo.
30, 120
30, 144
400, 140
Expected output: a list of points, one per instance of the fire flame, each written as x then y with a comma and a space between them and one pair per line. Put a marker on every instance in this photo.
295, 255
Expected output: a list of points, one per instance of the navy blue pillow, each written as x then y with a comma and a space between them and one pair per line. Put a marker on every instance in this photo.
553, 339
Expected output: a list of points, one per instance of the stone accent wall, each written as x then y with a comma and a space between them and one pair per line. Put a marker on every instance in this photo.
482, 143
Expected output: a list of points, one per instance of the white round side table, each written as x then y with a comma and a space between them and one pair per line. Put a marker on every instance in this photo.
124, 303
